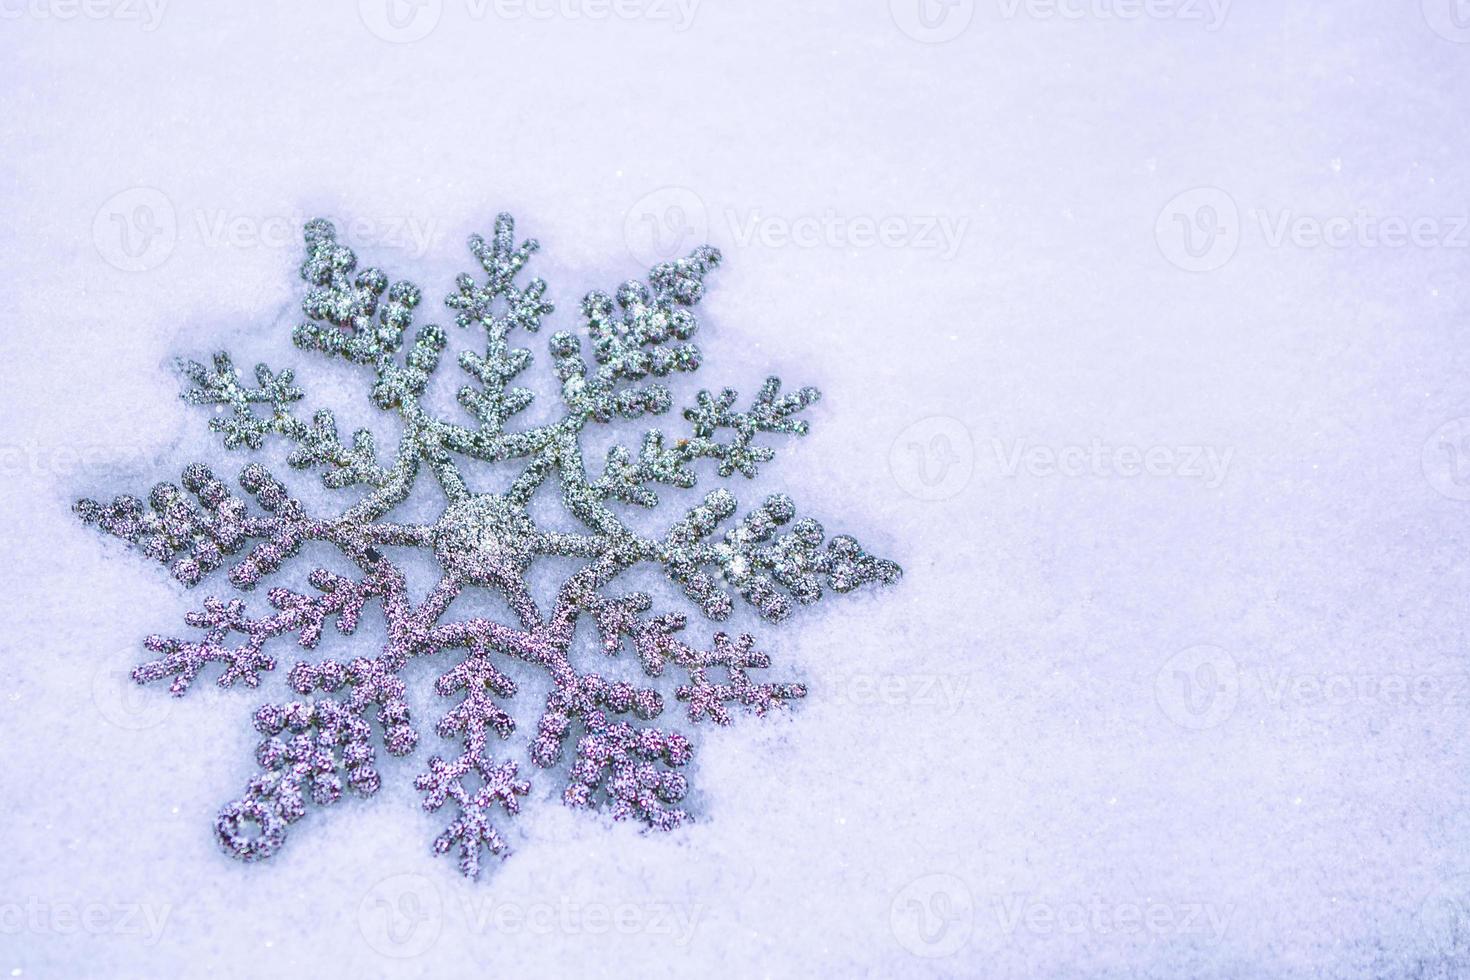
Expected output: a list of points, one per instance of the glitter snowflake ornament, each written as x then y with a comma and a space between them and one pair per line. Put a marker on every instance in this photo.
316, 748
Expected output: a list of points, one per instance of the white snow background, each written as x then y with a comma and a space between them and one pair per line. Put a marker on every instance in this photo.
1204, 720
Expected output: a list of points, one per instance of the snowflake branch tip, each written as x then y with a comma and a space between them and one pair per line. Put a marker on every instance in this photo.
669, 464
767, 569
190, 540
312, 751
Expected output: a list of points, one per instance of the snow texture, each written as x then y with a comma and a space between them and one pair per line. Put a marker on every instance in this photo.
1203, 720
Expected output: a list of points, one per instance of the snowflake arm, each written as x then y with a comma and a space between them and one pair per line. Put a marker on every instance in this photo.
195, 540
644, 329
346, 316
191, 540
313, 748
657, 643
624, 767
768, 570
498, 306
297, 613
477, 715
626, 480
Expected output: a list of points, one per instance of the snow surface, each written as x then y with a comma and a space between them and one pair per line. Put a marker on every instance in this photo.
1207, 720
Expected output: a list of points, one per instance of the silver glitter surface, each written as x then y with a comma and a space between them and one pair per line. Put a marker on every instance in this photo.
324, 742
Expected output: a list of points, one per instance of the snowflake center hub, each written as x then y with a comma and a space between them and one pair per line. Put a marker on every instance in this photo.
484, 539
